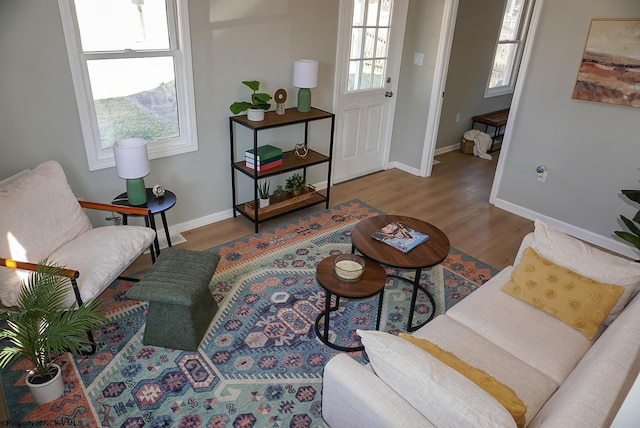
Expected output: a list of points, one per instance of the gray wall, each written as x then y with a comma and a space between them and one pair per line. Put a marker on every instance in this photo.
415, 81
591, 150
474, 41
231, 41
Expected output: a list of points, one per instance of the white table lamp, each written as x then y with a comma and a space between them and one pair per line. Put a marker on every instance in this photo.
132, 164
305, 76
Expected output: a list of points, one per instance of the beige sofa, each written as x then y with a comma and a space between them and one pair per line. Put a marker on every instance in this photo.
563, 378
41, 219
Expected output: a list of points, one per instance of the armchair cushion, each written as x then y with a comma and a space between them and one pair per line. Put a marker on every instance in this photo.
100, 255
39, 213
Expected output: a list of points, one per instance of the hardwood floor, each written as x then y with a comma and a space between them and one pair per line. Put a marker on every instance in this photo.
455, 199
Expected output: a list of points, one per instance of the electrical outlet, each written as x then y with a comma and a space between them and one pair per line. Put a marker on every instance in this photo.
418, 58
458, 117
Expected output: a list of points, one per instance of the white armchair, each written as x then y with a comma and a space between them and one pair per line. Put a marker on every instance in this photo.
41, 219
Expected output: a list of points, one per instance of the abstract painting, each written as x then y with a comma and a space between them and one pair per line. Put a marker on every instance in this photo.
610, 67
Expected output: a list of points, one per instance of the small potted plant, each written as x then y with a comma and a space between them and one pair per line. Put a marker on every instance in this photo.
263, 193
259, 102
295, 184
41, 328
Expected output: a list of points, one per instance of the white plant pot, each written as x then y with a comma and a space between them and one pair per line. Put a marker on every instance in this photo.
255, 114
264, 202
48, 391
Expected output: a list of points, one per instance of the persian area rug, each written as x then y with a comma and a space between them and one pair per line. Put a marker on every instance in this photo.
260, 363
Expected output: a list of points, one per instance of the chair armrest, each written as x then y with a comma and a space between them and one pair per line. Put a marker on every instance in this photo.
13, 264
116, 208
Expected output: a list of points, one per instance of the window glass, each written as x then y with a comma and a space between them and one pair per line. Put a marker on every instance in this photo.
369, 44
113, 25
131, 68
509, 48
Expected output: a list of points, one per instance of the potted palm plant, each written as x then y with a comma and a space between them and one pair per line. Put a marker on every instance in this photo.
259, 102
41, 328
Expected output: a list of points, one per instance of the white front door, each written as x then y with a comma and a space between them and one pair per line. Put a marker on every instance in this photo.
369, 54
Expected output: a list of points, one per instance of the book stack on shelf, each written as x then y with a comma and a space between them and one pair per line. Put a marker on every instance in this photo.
266, 158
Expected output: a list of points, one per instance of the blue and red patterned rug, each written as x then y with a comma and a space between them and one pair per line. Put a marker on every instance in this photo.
260, 363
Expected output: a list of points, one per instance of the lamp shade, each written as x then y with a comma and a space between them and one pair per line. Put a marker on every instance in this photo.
131, 158
305, 73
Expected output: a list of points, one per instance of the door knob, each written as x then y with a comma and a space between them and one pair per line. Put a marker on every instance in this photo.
388, 94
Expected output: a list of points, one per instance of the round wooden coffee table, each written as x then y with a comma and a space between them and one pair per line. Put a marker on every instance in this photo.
429, 253
370, 283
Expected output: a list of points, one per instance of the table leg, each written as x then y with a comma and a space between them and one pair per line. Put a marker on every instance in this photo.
153, 225
166, 228
381, 296
324, 335
414, 297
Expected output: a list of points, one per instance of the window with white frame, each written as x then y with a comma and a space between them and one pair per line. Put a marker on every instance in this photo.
506, 59
131, 67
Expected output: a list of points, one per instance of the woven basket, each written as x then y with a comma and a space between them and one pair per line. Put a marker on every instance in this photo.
466, 146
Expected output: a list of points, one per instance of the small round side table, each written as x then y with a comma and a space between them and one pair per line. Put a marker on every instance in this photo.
155, 206
370, 283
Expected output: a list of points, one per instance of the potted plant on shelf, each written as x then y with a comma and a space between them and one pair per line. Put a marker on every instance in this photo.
41, 328
259, 102
263, 192
295, 184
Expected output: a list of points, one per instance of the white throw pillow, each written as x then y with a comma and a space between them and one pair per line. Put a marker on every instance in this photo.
588, 261
444, 396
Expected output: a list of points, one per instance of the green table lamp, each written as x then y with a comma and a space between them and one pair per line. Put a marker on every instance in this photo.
132, 164
305, 76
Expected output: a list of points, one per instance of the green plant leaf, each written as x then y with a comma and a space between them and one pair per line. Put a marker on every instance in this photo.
239, 107
634, 195
254, 85
629, 237
631, 225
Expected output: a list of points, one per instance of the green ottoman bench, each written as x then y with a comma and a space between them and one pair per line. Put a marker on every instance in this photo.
181, 306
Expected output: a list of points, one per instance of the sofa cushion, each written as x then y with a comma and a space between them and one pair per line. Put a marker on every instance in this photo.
595, 390
588, 261
543, 342
531, 385
441, 394
100, 255
498, 390
38, 214
574, 299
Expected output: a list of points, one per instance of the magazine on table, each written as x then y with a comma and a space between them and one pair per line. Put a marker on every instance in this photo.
400, 236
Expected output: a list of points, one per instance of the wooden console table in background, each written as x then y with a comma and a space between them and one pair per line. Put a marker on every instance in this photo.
497, 120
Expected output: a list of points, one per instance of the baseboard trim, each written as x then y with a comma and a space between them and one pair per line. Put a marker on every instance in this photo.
588, 236
447, 149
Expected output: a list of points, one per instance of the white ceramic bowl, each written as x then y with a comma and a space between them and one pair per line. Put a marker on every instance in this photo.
348, 267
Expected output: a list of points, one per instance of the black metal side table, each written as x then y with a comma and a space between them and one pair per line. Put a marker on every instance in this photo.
155, 206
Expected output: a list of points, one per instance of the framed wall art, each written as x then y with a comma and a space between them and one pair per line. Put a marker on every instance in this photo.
610, 68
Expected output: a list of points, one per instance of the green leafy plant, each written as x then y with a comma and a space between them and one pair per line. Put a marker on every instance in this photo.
258, 100
295, 182
632, 237
263, 190
41, 327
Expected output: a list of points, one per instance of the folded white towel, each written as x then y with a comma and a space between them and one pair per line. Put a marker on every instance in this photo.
482, 143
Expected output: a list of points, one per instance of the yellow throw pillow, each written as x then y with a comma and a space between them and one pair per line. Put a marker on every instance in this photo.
501, 392
574, 299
